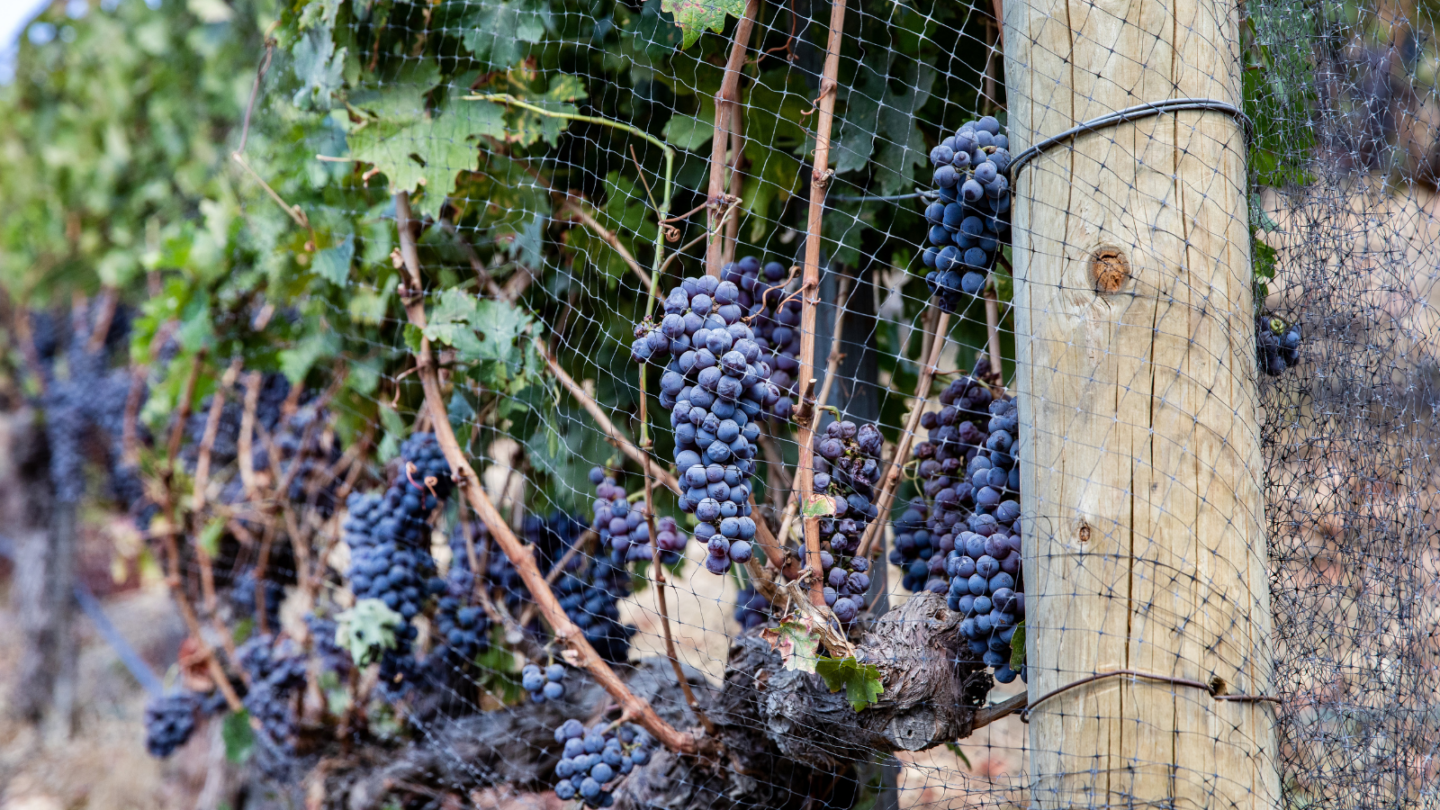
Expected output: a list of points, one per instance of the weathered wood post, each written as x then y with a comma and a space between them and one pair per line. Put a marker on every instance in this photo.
1144, 523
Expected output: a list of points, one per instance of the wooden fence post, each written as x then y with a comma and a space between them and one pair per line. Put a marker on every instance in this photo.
1140, 450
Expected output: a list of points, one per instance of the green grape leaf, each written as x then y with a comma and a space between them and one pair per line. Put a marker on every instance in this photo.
503, 323
1017, 647
694, 16
333, 263
210, 536
500, 34
479, 330
367, 630
239, 738
690, 132
319, 67
861, 682
797, 642
415, 147
296, 362
818, 506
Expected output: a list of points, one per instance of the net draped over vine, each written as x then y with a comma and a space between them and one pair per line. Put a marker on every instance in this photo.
1261, 523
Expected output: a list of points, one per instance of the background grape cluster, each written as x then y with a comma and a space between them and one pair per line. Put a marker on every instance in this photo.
389, 541
775, 321
1277, 344
623, 528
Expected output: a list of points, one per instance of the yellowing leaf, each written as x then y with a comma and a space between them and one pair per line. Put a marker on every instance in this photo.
694, 16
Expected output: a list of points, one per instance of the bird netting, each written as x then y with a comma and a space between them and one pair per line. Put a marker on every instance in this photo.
696, 404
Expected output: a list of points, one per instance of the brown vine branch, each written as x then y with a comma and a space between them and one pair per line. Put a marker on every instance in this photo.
182, 414
574, 211
992, 329
938, 322
481, 274
520, 555
618, 440
737, 144
173, 579
726, 102
810, 289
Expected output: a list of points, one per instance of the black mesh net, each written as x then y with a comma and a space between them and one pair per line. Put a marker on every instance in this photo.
1063, 440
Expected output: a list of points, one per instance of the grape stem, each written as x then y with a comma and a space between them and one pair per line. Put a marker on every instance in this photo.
727, 103
810, 289
520, 555
937, 324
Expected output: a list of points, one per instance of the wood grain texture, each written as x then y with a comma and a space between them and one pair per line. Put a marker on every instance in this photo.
1138, 410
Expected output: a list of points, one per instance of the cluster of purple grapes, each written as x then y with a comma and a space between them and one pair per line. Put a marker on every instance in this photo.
1277, 344
953, 439
389, 541
333, 657
591, 761
972, 479
464, 629
776, 323
913, 548
752, 609
244, 599
715, 386
970, 217
269, 412
276, 673
622, 526
590, 596
543, 684
169, 722
847, 468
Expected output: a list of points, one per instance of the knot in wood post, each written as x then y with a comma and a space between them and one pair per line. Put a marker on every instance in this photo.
1109, 269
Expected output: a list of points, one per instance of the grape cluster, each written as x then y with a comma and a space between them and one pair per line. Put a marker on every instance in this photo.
1277, 344
389, 541
752, 609
775, 321
543, 684
333, 657
169, 722
623, 529
953, 439
593, 760
715, 386
276, 672
846, 468
462, 626
550, 538
970, 216
307, 453
972, 479
244, 598
913, 549
274, 390
590, 597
